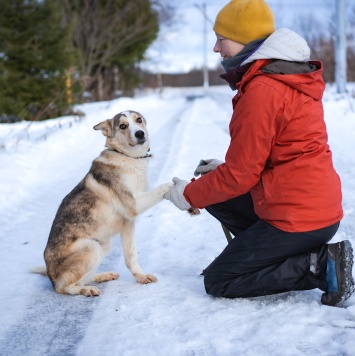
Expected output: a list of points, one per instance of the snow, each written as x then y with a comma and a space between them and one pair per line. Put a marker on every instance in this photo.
41, 162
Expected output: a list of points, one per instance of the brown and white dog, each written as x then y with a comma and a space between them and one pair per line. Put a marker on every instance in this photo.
105, 203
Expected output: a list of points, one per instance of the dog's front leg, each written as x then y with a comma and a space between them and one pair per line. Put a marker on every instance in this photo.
146, 200
130, 254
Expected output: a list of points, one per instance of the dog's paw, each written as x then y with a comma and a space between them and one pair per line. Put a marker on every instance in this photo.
145, 278
90, 291
105, 276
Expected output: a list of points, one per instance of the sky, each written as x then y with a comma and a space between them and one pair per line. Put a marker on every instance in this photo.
181, 48
41, 162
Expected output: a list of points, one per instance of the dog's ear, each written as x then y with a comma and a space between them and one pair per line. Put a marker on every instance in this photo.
105, 127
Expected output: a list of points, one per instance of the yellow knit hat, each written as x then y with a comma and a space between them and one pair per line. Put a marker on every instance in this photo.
244, 21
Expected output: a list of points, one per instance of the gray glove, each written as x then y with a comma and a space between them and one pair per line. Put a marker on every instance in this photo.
206, 165
175, 194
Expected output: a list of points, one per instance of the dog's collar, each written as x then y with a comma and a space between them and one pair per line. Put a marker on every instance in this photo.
147, 155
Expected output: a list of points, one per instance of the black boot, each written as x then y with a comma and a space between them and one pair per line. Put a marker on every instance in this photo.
339, 273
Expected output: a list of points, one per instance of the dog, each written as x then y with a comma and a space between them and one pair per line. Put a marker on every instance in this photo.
105, 203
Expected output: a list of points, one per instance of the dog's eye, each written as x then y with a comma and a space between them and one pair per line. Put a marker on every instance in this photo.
139, 120
123, 126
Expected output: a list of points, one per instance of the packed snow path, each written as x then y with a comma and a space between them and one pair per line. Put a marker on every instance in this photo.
42, 163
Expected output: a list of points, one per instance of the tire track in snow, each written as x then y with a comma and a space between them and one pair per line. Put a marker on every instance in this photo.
186, 141
163, 148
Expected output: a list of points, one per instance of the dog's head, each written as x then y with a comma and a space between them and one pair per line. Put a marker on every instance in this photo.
126, 132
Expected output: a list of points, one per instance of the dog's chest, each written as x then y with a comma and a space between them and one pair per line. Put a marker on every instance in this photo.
136, 180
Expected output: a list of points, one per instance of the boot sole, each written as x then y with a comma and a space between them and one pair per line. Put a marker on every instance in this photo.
347, 285
343, 254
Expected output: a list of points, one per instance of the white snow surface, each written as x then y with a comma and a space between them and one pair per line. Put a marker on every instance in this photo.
41, 162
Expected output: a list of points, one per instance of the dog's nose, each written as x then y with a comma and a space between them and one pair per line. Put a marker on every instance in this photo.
139, 134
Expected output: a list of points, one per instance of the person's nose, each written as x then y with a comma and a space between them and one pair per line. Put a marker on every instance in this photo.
216, 48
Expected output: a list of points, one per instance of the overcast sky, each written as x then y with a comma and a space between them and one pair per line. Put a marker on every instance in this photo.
181, 48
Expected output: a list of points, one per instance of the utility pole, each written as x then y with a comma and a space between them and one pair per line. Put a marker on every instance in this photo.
205, 60
340, 47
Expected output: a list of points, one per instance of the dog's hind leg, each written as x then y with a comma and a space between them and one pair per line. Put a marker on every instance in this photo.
130, 254
87, 291
77, 268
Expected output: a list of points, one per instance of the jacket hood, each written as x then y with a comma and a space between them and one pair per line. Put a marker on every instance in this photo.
282, 44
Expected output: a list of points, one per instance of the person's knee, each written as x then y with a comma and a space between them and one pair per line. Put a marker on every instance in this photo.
206, 279
211, 283
214, 289
209, 288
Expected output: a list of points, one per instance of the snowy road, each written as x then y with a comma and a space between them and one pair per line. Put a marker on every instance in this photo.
173, 316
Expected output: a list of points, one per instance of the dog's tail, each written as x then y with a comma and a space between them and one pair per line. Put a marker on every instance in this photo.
40, 270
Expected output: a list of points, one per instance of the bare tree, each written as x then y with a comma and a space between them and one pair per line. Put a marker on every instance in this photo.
321, 42
166, 12
309, 27
103, 29
351, 45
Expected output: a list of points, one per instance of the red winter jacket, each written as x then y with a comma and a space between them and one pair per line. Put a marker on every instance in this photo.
278, 152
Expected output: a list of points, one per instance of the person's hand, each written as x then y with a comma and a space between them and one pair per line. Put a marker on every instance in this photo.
206, 165
175, 194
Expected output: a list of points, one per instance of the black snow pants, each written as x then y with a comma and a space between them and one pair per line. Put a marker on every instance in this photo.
263, 260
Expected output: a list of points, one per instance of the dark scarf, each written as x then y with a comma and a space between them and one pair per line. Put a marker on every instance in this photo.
232, 66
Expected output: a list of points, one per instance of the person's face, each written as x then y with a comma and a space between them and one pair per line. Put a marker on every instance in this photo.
227, 48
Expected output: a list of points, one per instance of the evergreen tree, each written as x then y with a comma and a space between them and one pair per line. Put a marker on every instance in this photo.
33, 59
